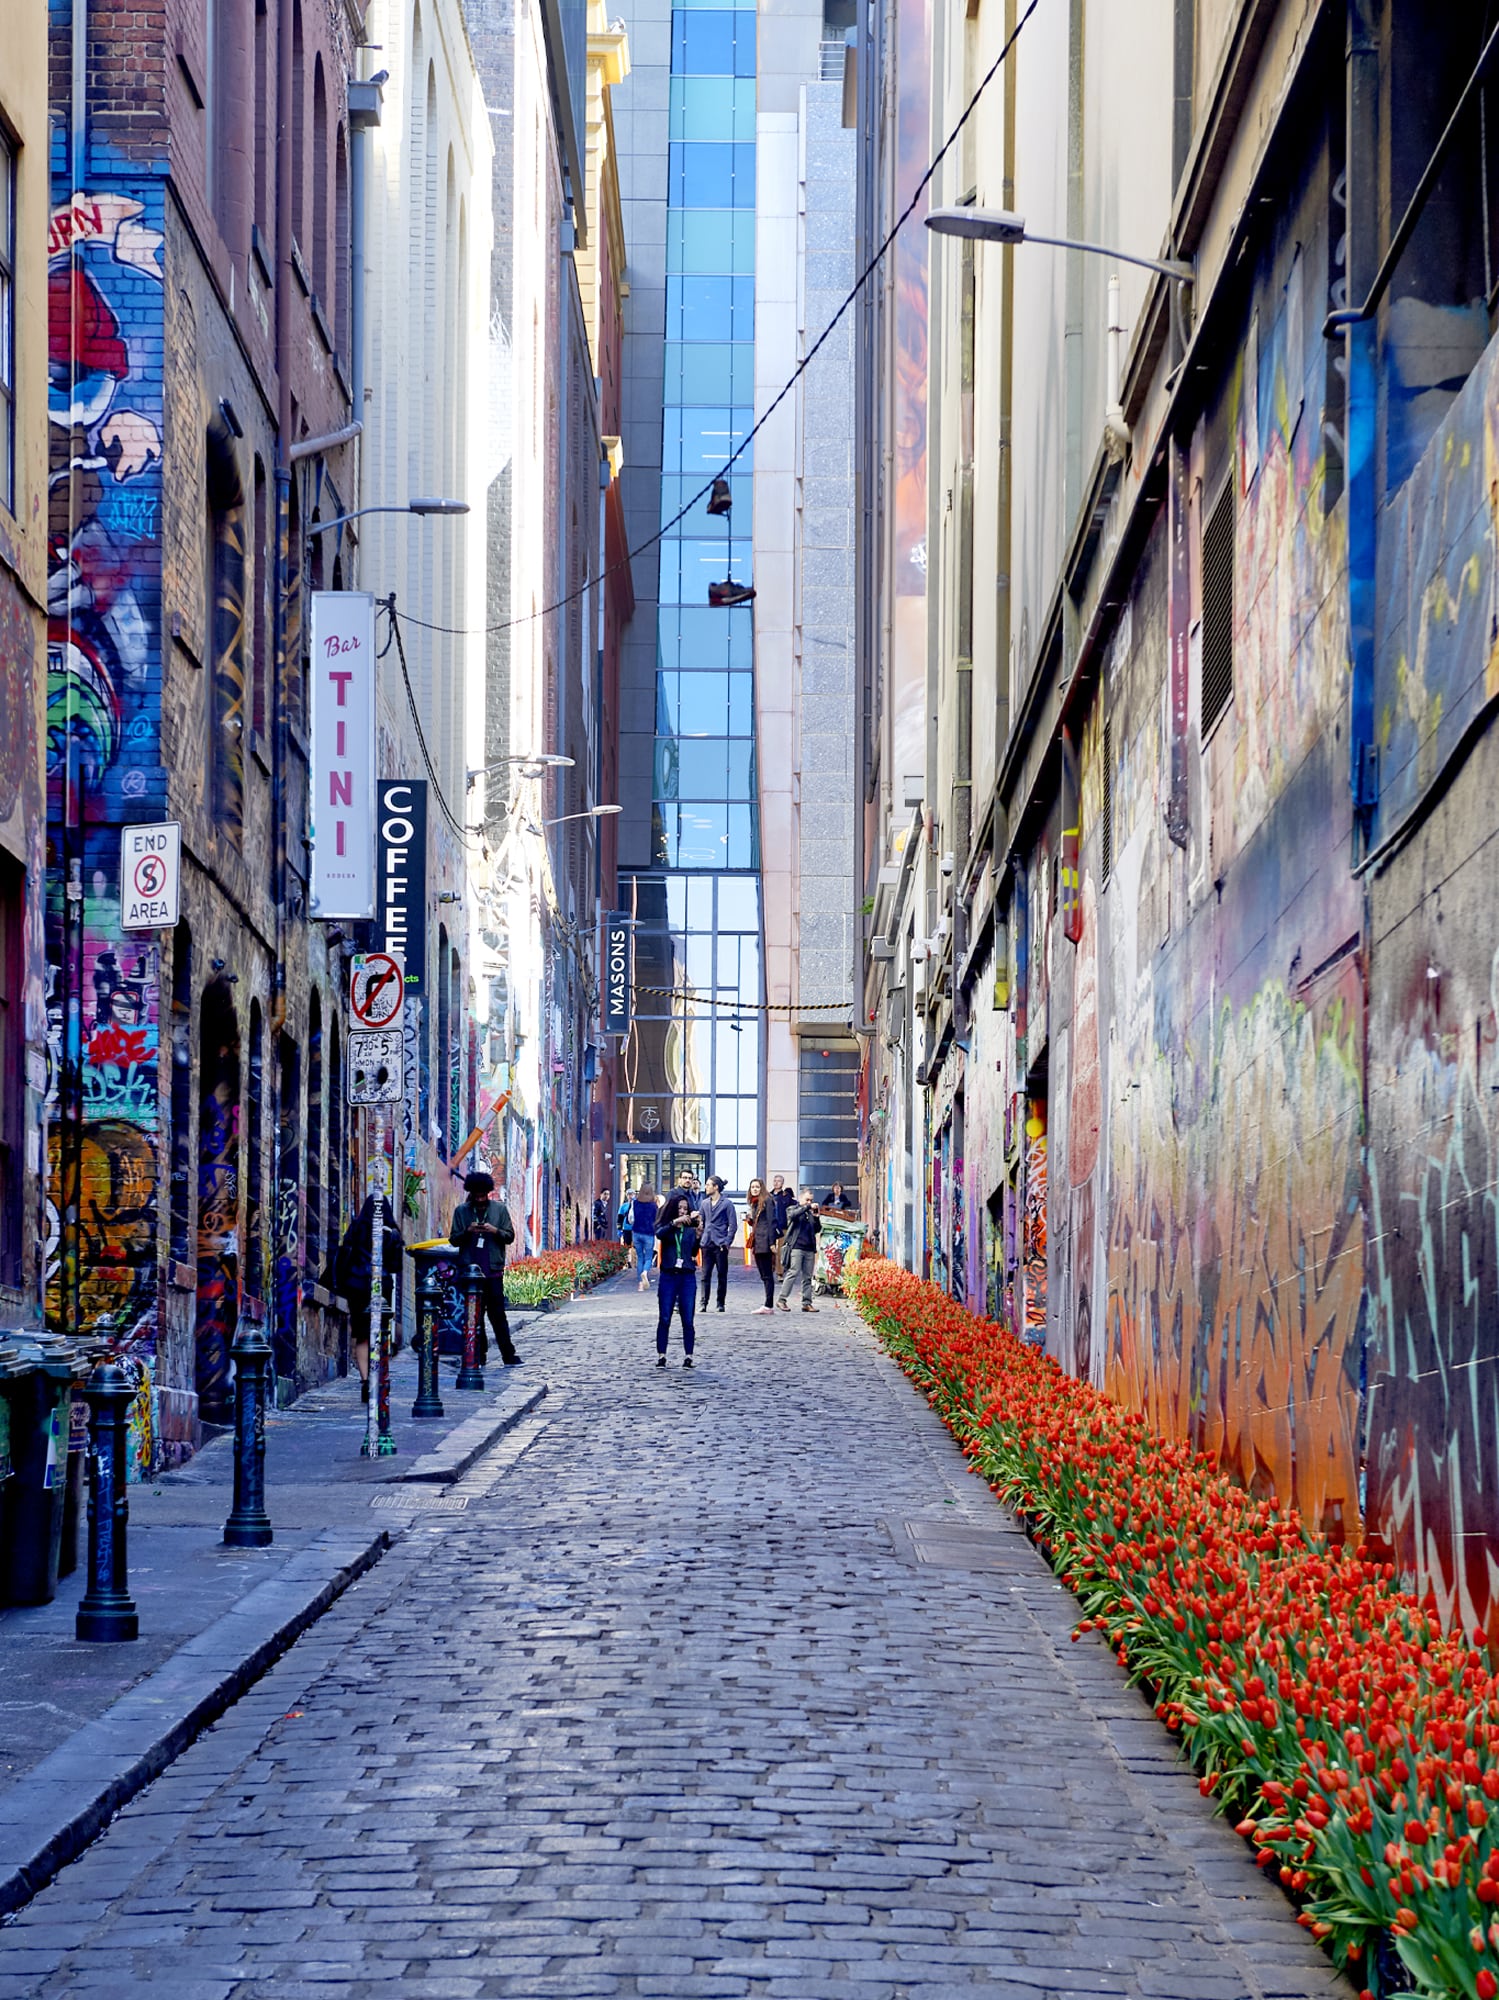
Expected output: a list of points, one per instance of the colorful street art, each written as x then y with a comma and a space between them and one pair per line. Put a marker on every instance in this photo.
1433, 1420
103, 738
218, 1205
1033, 1250
1235, 1254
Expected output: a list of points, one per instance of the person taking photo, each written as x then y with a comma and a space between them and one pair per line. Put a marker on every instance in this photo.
803, 1227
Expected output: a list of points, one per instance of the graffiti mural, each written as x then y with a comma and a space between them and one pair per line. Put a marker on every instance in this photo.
1033, 1248
1235, 1254
1433, 1423
218, 1205
103, 742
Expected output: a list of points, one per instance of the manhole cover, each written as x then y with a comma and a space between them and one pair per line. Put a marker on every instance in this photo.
941, 1546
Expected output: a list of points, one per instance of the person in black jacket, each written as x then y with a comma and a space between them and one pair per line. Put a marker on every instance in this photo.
482, 1229
354, 1273
803, 1227
676, 1288
764, 1234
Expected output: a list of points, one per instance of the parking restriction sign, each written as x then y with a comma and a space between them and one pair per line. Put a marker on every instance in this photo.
150, 876
377, 990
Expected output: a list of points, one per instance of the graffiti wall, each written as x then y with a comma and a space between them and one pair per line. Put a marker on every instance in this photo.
104, 737
1235, 1042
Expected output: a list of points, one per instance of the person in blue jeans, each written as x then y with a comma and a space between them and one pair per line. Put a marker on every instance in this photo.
676, 1288
644, 1215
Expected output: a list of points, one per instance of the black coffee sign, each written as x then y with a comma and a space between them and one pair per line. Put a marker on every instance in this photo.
618, 985
401, 907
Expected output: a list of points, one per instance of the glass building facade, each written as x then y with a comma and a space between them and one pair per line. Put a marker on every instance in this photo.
690, 1082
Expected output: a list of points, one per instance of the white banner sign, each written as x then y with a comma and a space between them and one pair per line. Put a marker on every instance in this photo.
343, 754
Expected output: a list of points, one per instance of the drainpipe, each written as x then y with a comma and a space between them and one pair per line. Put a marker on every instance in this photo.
282, 568
364, 114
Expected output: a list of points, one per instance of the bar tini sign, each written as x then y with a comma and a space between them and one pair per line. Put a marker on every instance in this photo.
343, 754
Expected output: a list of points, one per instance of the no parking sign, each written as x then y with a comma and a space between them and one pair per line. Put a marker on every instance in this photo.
150, 876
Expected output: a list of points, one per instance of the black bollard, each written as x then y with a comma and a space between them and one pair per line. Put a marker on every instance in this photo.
249, 1525
428, 1299
471, 1375
107, 1612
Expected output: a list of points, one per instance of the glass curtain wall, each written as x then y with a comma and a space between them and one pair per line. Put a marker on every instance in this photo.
693, 1062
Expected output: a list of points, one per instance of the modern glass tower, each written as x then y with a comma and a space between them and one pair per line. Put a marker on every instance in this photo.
690, 1080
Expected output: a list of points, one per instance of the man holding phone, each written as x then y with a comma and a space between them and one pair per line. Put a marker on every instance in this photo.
677, 1233
803, 1227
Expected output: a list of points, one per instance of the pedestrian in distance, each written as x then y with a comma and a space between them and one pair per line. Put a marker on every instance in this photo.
677, 1239
482, 1229
720, 1220
838, 1202
644, 1215
354, 1277
803, 1227
600, 1219
622, 1227
781, 1199
760, 1222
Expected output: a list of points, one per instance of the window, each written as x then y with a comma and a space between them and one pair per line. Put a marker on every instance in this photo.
712, 176
335, 1136
261, 217
262, 569
7, 321
315, 1136
254, 1165
298, 126
444, 1021
12, 1068
182, 1091
1218, 607
711, 43
319, 180
710, 308
338, 283
225, 625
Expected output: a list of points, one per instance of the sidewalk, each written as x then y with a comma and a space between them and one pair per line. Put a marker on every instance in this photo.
87, 1725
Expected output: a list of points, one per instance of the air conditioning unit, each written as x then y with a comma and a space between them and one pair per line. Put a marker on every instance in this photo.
881, 949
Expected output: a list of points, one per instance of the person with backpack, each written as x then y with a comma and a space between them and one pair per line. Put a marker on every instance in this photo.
644, 1215
720, 1220
354, 1274
482, 1229
677, 1237
803, 1227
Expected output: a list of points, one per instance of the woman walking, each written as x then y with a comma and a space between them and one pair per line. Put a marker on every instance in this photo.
760, 1223
643, 1217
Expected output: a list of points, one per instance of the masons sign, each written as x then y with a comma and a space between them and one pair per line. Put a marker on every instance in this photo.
618, 986
150, 876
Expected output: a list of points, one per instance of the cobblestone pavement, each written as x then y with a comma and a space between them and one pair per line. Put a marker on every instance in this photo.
678, 1703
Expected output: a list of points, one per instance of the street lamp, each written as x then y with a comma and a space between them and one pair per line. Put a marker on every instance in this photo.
532, 764
1002, 225
411, 507
593, 812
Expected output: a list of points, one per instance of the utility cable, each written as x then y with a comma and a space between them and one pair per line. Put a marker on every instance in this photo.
388, 604
561, 603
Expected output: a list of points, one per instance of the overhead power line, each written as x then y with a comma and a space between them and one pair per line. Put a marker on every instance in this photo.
650, 542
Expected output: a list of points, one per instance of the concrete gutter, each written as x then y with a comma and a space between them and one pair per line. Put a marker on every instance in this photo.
64, 1802
469, 1441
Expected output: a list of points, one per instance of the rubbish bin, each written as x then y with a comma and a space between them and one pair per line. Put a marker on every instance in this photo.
31, 1500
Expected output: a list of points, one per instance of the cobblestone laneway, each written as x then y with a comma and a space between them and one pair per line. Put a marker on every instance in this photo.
679, 1704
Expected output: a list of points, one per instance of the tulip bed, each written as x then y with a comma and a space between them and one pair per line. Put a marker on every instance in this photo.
1354, 1742
559, 1274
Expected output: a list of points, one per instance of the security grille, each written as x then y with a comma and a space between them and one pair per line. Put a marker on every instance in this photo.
828, 1117
1108, 800
1218, 608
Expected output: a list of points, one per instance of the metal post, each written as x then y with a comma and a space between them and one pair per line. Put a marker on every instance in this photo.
107, 1612
249, 1525
471, 1375
385, 1443
428, 1300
